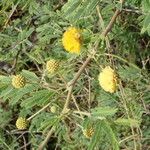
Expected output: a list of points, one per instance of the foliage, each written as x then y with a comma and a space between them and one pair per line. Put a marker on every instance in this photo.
31, 34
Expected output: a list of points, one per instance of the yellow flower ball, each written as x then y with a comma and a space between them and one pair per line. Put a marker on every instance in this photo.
88, 133
108, 79
72, 40
52, 66
18, 81
21, 123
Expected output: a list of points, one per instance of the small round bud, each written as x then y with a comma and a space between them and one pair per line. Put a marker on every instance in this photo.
53, 109
18, 81
21, 123
52, 66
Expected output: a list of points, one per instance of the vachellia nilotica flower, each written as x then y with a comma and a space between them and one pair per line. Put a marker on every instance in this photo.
88, 132
18, 81
72, 40
52, 66
21, 123
108, 79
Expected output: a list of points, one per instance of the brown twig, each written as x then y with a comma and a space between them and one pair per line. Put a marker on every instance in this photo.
72, 83
24, 146
15, 60
24, 141
42, 145
74, 100
13, 11
43, 108
111, 23
71, 86
104, 33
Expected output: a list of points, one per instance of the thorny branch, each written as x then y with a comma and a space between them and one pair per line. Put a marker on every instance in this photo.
76, 77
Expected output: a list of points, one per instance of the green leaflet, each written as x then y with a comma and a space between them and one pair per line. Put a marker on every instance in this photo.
30, 76
49, 122
38, 98
146, 5
103, 111
75, 10
103, 130
96, 139
69, 7
146, 22
5, 79
111, 136
91, 6
25, 34
21, 92
127, 122
7, 92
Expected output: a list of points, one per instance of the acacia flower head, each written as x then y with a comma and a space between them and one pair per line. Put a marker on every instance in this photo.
18, 81
21, 123
52, 65
71, 40
88, 132
108, 79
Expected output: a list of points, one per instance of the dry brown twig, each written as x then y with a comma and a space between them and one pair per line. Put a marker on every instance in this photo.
72, 83
15, 61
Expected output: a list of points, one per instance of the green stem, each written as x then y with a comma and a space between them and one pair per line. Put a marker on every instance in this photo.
5, 144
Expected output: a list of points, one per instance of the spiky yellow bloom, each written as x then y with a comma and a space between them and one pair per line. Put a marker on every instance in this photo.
52, 66
21, 123
88, 133
72, 40
18, 81
108, 79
